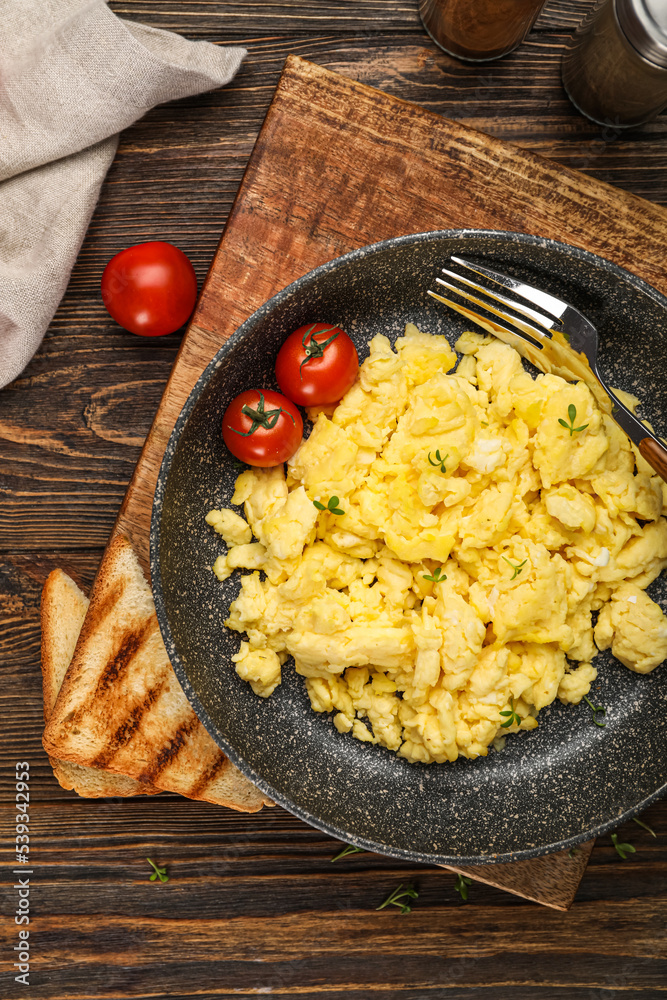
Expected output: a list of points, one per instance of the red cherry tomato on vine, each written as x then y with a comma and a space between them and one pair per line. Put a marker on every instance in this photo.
150, 288
317, 364
262, 428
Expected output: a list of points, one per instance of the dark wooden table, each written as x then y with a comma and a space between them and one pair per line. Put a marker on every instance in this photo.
253, 904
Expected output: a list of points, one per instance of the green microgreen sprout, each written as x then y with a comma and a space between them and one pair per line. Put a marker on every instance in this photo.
348, 849
158, 872
331, 505
513, 716
315, 348
622, 849
517, 567
573, 852
437, 576
440, 460
572, 414
484, 423
595, 710
261, 417
395, 897
461, 886
644, 825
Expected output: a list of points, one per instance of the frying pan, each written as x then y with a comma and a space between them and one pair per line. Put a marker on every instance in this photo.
548, 789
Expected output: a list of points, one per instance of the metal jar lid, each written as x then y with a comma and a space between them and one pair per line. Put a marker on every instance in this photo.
644, 24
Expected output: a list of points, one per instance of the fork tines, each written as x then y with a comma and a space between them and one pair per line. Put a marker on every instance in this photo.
515, 316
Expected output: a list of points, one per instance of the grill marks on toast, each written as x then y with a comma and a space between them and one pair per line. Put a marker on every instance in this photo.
127, 729
63, 611
214, 771
169, 753
121, 708
130, 644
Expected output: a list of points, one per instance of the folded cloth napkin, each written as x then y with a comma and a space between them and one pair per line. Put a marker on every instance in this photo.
72, 75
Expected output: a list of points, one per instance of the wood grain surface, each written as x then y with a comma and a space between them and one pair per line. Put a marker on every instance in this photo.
260, 907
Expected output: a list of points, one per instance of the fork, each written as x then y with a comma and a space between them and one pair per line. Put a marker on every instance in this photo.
550, 333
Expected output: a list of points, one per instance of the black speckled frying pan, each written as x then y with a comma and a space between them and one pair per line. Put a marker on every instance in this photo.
548, 789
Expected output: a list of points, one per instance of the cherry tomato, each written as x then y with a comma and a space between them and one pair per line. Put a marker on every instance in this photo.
262, 428
317, 364
150, 288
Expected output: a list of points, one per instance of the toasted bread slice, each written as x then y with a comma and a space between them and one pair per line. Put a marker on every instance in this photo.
63, 610
121, 706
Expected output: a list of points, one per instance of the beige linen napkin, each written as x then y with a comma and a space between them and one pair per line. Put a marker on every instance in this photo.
72, 75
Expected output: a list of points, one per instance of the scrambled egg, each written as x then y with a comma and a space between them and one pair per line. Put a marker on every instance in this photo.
482, 529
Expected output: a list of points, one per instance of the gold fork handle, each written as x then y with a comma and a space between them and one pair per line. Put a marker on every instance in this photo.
655, 454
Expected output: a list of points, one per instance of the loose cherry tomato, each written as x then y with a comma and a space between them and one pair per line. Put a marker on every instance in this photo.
262, 428
317, 364
150, 288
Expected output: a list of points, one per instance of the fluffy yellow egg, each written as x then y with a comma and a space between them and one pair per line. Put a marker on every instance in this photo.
479, 519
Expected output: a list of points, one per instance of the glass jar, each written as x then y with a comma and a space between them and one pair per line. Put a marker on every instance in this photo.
615, 71
479, 30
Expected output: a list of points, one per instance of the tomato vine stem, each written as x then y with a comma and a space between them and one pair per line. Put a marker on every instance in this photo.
315, 348
261, 417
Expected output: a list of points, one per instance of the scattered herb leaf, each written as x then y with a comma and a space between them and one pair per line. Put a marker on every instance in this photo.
348, 849
394, 898
331, 505
622, 849
517, 567
158, 872
513, 717
645, 826
440, 460
437, 576
595, 710
572, 414
572, 852
260, 417
461, 886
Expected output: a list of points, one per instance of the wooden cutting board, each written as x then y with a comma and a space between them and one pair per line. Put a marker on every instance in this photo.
338, 165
